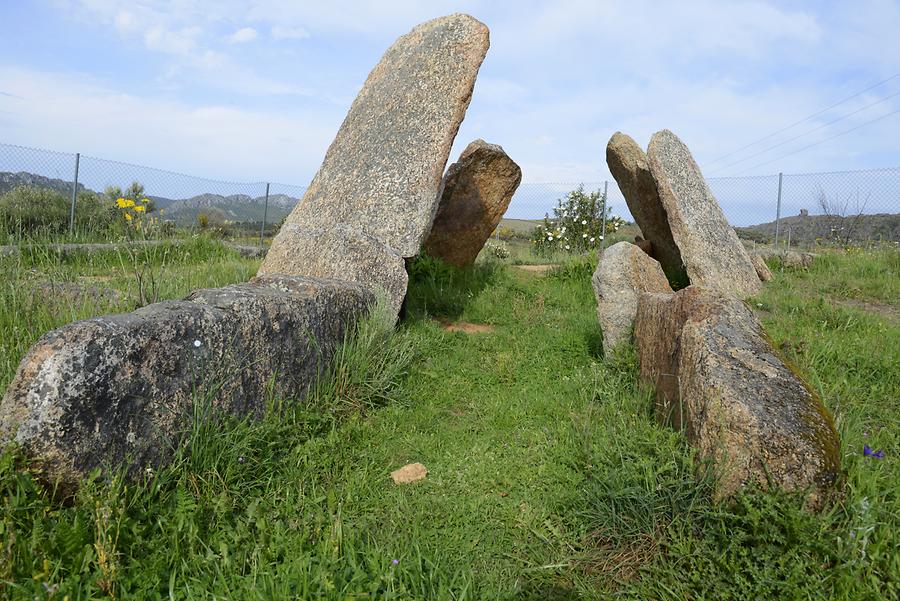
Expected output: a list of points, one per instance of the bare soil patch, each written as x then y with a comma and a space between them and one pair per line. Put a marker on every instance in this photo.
884, 310
541, 269
466, 327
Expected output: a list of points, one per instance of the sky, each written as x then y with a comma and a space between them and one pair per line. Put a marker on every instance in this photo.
256, 90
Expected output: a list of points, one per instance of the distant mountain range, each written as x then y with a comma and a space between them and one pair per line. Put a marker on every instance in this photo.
807, 228
235, 208
184, 212
8, 181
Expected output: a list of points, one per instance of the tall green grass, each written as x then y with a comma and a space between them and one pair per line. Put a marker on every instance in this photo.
548, 477
89, 284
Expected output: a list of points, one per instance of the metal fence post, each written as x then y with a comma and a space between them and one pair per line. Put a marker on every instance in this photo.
74, 195
778, 209
262, 228
603, 221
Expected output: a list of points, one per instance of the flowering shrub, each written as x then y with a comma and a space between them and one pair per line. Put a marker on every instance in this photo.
576, 225
498, 250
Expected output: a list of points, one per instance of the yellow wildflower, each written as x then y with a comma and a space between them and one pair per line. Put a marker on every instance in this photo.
140, 209
129, 203
121, 203
145, 200
128, 216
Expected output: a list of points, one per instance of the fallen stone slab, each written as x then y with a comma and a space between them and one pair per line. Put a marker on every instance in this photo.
65, 250
713, 255
477, 190
248, 251
628, 164
762, 270
623, 272
382, 173
718, 379
122, 389
342, 253
74, 293
791, 259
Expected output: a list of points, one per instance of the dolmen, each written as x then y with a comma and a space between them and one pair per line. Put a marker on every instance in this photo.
121, 391
679, 293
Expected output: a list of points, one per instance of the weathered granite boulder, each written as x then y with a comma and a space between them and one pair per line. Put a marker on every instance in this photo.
793, 259
623, 272
476, 193
122, 389
718, 379
712, 253
762, 270
628, 164
382, 173
343, 253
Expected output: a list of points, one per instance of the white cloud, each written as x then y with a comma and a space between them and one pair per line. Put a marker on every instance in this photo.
181, 42
76, 113
243, 35
559, 79
279, 32
125, 22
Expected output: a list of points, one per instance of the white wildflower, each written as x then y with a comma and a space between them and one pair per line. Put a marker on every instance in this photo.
197, 344
584, 222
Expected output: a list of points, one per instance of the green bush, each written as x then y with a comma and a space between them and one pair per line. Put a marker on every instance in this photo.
577, 224
28, 211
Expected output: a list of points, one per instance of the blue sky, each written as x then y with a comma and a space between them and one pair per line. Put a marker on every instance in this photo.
254, 91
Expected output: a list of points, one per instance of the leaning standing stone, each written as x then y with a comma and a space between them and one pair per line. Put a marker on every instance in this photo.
382, 173
712, 253
476, 193
718, 379
628, 164
623, 272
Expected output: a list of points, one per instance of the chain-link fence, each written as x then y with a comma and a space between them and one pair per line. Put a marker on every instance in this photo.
800, 209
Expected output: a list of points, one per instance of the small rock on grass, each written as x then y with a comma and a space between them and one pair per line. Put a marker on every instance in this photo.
411, 472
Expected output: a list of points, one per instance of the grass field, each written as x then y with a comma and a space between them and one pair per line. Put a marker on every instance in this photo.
548, 478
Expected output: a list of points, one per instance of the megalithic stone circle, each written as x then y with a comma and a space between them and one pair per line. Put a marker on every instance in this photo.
382, 173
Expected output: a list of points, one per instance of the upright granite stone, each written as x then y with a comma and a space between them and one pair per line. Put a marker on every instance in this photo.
718, 379
381, 175
623, 272
476, 193
344, 253
123, 389
712, 254
628, 164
